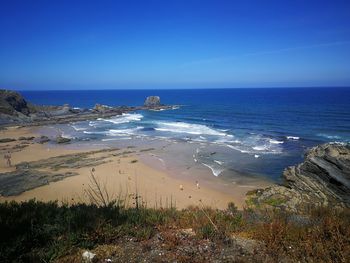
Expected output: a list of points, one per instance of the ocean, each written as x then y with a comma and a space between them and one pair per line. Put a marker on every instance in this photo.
252, 131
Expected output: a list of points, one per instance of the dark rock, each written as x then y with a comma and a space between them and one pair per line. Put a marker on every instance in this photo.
31, 114
43, 139
7, 140
12, 103
61, 139
152, 101
323, 179
29, 175
22, 138
101, 108
60, 111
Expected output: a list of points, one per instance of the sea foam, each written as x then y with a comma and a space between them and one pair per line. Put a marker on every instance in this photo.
124, 118
216, 172
189, 128
292, 137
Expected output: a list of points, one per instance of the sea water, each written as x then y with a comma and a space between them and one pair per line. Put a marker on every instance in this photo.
253, 131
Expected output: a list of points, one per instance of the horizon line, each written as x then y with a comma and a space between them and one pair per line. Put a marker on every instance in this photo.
205, 88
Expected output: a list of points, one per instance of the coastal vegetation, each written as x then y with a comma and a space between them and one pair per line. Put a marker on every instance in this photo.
113, 227
35, 231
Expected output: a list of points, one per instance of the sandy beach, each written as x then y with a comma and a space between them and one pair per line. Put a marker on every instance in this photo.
122, 173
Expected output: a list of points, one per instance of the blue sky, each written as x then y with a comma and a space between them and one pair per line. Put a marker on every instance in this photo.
173, 44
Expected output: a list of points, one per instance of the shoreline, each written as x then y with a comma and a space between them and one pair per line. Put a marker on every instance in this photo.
124, 174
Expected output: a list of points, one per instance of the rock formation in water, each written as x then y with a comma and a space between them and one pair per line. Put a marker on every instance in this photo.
152, 101
323, 179
14, 110
101, 108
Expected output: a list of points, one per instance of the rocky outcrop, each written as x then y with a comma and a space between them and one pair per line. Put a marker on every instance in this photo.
14, 110
61, 140
12, 103
43, 139
101, 108
30, 175
152, 101
323, 179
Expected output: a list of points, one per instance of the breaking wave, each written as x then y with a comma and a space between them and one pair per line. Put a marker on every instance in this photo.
183, 127
122, 132
292, 137
216, 171
124, 118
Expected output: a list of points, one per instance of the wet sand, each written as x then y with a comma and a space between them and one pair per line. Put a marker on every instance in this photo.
125, 175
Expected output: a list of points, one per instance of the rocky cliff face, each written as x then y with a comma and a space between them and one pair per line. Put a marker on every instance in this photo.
12, 103
322, 179
152, 101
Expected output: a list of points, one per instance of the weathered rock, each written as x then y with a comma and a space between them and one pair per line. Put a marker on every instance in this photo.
43, 139
29, 175
61, 139
46, 114
23, 138
101, 108
62, 110
20, 180
152, 101
12, 103
323, 179
4, 140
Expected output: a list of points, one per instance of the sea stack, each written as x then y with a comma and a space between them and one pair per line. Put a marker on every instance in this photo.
152, 101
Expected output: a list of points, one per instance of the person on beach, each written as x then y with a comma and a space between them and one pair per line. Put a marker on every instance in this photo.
197, 184
7, 157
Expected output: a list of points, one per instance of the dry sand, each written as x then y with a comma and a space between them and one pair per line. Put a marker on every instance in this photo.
123, 176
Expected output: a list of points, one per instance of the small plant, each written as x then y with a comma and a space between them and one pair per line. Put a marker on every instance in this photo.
97, 193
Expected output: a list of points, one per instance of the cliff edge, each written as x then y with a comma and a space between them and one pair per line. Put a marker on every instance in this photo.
323, 179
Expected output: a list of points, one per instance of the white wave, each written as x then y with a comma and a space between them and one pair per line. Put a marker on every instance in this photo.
93, 123
183, 127
124, 118
161, 160
216, 172
261, 148
202, 137
218, 162
116, 139
78, 128
64, 135
256, 155
275, 141
292, 137
227, 141
157, 109
95, 132
237, 148
122, 132
329, 136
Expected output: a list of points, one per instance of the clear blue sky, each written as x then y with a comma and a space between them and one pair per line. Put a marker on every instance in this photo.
173, 44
